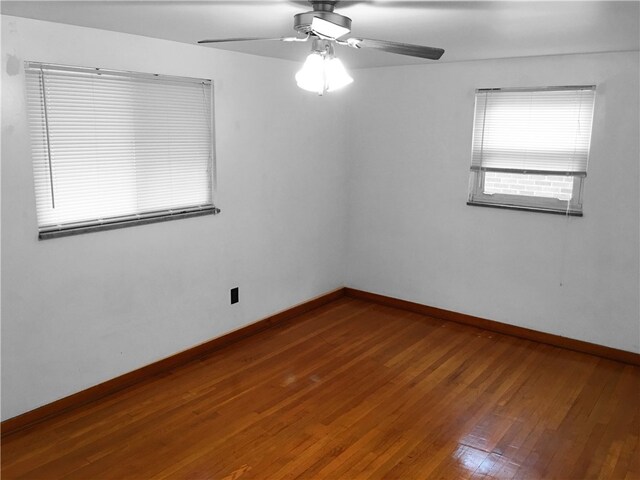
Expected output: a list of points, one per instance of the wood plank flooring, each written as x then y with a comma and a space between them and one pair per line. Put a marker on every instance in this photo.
354, 390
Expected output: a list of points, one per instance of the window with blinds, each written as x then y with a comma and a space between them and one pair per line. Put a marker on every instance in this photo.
530, 148
112, 149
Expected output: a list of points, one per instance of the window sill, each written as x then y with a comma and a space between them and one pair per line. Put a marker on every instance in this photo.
571, 213
112, 225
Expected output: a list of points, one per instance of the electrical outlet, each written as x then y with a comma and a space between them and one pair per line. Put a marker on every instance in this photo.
235, 298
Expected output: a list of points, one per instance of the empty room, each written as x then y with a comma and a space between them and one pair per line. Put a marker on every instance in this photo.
320, 240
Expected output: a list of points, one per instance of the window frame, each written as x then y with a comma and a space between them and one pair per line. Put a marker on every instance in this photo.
49, 231
477, 196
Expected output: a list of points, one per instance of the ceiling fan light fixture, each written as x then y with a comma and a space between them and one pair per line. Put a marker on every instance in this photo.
322, 72
327, 29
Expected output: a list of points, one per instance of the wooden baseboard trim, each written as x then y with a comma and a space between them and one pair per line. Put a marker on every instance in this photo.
498, 327
101, 390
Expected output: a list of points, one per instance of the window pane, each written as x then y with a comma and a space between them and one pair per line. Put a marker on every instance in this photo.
550, 186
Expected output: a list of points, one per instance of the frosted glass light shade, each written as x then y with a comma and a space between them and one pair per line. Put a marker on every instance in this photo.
336, 74
311, 75
322, 74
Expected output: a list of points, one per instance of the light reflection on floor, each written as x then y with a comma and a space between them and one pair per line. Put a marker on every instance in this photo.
478, 462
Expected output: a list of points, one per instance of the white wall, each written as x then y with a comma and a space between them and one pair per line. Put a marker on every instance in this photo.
412, 236
301, 199
79, 310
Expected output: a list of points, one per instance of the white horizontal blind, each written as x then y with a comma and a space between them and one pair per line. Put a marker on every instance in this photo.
111, 146
545, 131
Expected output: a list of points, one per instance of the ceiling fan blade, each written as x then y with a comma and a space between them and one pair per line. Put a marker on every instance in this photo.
396, 47
249, 39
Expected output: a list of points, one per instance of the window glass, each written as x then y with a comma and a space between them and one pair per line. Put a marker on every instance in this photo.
530, 148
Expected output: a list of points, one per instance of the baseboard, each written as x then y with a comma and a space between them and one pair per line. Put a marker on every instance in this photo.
101, 390
526, 333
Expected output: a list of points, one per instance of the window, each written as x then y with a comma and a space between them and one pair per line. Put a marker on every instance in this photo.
112, 149
531, 147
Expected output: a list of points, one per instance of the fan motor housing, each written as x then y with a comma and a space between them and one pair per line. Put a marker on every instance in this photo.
302, 21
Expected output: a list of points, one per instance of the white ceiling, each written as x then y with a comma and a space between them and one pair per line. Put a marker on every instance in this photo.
468, 30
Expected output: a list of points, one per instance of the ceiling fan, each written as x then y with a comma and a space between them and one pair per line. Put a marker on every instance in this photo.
322, 71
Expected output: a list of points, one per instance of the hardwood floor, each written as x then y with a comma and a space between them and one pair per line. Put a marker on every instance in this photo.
355, 390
